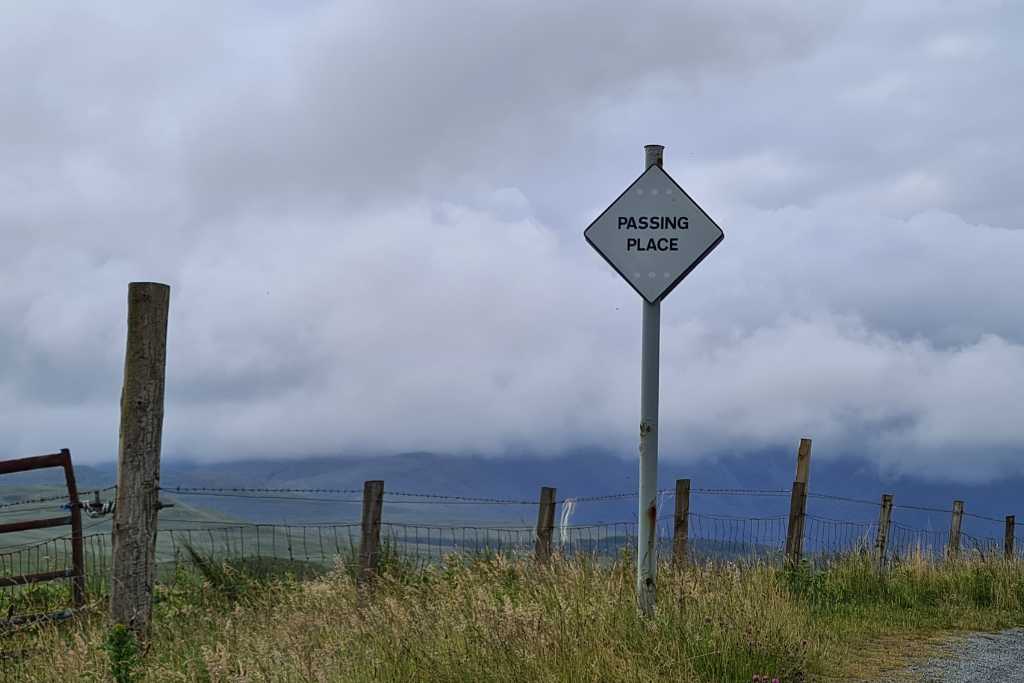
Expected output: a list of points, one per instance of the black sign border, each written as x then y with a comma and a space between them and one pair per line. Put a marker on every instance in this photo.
686, 272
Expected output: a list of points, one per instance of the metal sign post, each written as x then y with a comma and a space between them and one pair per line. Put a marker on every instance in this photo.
650, 362
653, 235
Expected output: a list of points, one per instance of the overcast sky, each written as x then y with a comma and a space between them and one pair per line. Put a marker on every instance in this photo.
371, 214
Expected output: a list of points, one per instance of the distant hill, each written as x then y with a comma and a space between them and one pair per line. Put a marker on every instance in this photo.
579, 474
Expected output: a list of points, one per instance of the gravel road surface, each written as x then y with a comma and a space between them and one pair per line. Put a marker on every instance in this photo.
976, 658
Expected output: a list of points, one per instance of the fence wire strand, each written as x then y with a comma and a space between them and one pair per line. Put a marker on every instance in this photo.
321, 546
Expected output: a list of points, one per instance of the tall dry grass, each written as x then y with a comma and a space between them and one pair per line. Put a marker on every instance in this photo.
501, 619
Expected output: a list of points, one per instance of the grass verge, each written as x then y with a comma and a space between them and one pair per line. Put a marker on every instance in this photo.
504, 619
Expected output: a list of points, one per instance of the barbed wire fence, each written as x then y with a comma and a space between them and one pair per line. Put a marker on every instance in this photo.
317, 546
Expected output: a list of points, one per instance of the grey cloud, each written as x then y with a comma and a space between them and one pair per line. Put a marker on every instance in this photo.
899, 113
371, 221
409, 98
477, 333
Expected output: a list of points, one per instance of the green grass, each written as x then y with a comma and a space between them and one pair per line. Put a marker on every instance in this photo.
493, 618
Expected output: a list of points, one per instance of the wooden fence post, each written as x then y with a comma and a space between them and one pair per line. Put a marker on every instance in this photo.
803, 460
954, 529
884, 521
369, 540
138, 458
1008, 537
803, 471
545, 524
798, 503
681, 529
794, 530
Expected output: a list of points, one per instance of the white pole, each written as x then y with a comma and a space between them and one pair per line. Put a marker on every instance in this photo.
646, 565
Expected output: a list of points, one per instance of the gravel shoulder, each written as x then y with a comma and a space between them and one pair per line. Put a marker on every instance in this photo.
971, 658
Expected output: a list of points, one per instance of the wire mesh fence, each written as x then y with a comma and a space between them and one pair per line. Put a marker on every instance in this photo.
320, 546
709, 538
294, 543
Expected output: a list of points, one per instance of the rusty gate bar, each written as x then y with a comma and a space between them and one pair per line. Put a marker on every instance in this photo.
77, 555
30, 524
35, 462
23, 579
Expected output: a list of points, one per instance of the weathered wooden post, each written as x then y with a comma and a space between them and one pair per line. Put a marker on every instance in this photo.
681, 529
369, 540
545, 524
1008, 537
798, 503
884, 521
794, 533
954, 529
803, 460
138, 457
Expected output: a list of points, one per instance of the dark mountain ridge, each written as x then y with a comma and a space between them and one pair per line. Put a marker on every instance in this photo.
583, 474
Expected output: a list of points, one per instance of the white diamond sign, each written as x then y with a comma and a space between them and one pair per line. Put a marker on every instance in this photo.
654, 234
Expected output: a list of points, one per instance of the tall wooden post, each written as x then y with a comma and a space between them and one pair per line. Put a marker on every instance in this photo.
1008, 537
138, 457
954, 529
798, 503
794, 530
803, 460
681, 529
545, 524
369, 539
884, 521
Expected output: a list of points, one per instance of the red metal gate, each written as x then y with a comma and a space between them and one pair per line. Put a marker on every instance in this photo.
77, 570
